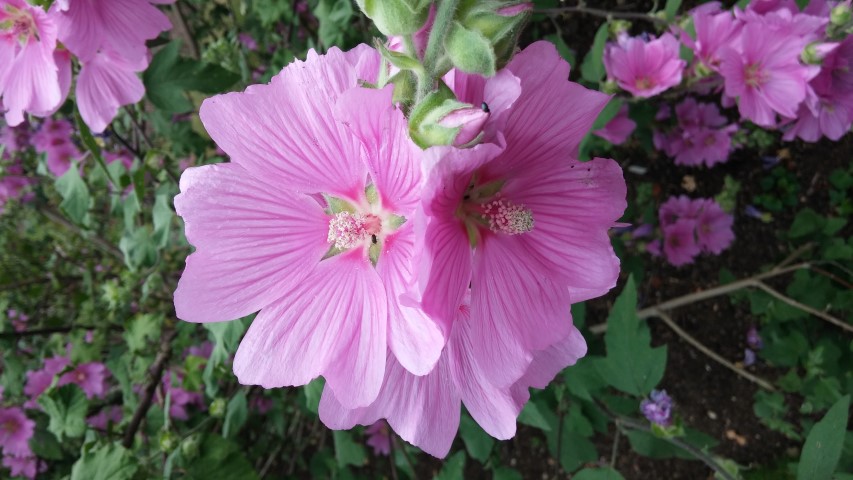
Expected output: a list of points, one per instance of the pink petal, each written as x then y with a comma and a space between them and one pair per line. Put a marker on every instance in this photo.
548, 363
106, 83
31, 84
286, 130
333, 323
254, 241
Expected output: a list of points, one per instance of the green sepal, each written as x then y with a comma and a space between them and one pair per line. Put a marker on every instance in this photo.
333, 250
396, 221
336, 205
473, 234
405, 87
488, 190
424, 117
374, 251
470, 51
398, 59
371, 194
396, 17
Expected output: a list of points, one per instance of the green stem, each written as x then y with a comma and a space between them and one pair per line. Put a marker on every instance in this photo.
440, 28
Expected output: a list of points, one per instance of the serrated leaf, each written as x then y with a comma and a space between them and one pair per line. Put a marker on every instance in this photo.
823, 446
532, 415
66, 407
75, 194
220, 458
111, 462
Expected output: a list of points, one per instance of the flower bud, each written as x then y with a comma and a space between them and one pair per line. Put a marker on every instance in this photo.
815, 52
190, 446
396, 17
484, 36
167, 440
841, 14
469, 121
217, 408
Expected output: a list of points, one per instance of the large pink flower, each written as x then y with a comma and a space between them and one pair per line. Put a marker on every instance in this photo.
424, 410
121, 26
90, 377
525, 225
644, 68
714, 30
310, 224
29, 76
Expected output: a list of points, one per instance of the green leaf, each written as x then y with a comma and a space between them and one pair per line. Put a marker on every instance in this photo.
531, 415
671, 9
347, 450
631, 365
575, 449
141, 331
66, 407
822, 449
598, 474
610, 110
592, 67
235, 415
138, 249
110, 462
478, 443
169, 77
806, 222
470, 51
162, 214
220, 459
506, 473
335, 18
45, 445
92, 145
454, 468
313, 391
562, 48
75, 194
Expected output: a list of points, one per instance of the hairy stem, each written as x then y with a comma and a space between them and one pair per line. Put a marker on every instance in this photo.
440, 28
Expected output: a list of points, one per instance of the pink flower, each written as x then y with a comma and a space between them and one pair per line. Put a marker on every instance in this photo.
322, 174
21, 466
107, 82
714, 227
714, 30
379, 437
679, 243
15, 432
247, 41
701, 135
204, 350
644, 68
122, 156
90, 377
39, 380
121, 26
424, 410
619, 128
511, 204
54, 140
13, 185
29, 78
179, 398
108, 415
764, 73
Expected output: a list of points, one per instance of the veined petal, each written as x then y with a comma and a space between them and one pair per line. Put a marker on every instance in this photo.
333, 323
547, 364
286, 131
105, 84
254, 242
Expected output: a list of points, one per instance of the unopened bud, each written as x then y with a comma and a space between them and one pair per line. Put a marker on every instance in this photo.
190, 446
167, 440
217, 408
469, 121
815, 52
609, 87
396, 17
840, 15
618, 27
484, 36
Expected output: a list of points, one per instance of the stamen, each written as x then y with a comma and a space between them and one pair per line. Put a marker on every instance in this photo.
506, 217
347, 230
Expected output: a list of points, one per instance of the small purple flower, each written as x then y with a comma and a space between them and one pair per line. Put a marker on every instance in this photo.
658, 408
748, 357
753, 339
753, 212
378, 437
15, 432
247, 41
24, 466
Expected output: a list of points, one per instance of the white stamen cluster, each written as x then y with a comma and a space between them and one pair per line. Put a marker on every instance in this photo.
347, 229
506, 217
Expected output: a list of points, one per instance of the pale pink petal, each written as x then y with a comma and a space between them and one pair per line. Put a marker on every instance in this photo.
294, 138
254, 242
32, 83
547, 364
106, 83
333, 323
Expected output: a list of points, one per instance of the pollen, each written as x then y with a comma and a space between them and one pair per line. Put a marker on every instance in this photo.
347, 230
506, 217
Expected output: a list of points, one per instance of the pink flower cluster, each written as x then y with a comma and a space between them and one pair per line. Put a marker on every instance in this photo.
691, 227
413, 281
107, 38
701, 135
54, 140
91, 377
13, 181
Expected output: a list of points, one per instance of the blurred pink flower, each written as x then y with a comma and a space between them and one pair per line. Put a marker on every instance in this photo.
15, 432
379, 437
90, 377
619, 128
701, 135
22, 466
110, 414
679, 243
714, 228
39, 380
644, 68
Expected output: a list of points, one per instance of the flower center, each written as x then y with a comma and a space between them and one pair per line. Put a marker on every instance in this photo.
644, 83
10, 426
19, 23
754, 76
347, 230
507, 217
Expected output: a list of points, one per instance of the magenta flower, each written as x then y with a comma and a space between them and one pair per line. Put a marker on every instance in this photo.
644, 68
379, 437
29, 78
247, 41
714, 30
106, 82
679, 243
527, 245
39, 380
658, 408
90, 377
13, 186
619, 128
122, 156
108, 415
121, 26
714, 227
700, 137
15, 432
676, 208
21, 466
310, 224
764, 73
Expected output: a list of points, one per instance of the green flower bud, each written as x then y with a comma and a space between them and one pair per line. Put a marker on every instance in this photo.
396, 17
190, 446
217, 408
815, 52
167, 440
609, 87
619, 26
840, 15
484, 36
441, 119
